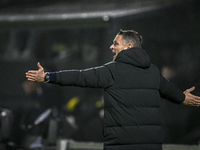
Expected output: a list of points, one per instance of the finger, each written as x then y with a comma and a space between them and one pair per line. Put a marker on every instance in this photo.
39, 66
190, 89
32, 72
195, 97
196, 105
194, 102
30, 79
29, 73
29, 76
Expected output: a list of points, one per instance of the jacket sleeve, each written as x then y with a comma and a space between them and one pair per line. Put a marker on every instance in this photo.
97, 77
170, 91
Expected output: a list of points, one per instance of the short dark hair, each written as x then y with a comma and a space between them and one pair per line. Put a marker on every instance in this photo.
130, 36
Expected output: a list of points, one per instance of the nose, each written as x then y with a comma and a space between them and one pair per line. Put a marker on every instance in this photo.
111, 46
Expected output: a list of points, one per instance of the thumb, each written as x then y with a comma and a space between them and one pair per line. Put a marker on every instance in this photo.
39, 66
190, 89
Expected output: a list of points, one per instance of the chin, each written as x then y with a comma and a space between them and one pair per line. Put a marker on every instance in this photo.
114, 57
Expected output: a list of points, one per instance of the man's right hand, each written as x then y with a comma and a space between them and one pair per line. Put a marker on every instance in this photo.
36, 75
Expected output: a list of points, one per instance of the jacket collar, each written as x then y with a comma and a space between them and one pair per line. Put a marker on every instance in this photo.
134, 56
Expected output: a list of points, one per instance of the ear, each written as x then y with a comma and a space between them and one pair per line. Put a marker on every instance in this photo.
130, 45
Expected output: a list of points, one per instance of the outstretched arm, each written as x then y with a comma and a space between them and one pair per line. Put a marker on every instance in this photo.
36, 75
96, 77
171, 92
190, 99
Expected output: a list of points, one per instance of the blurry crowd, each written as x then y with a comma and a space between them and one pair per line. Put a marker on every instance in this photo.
51, 111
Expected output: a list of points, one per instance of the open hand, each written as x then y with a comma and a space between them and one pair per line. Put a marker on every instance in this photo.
36, 75
190, 99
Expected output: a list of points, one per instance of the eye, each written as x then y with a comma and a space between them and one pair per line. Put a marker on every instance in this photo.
115, 44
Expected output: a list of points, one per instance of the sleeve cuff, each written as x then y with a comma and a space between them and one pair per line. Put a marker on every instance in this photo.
52, 77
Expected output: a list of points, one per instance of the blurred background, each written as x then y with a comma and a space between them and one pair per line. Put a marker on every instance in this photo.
77, 34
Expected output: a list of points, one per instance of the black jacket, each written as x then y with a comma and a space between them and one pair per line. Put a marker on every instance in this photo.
132, 89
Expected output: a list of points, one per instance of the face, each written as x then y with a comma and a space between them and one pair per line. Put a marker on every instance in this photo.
118, 45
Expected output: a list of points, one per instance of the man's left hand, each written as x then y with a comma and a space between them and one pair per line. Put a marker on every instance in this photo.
190, 99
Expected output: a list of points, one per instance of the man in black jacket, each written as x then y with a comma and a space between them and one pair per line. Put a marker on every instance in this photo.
132, 89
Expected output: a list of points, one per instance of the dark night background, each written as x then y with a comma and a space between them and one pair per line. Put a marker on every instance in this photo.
171, 33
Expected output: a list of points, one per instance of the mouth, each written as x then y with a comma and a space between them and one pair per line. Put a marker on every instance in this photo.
114, 56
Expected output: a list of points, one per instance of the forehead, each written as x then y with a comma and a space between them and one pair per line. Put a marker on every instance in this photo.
118, 39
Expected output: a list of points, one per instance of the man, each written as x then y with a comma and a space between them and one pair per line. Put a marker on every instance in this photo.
132, 89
